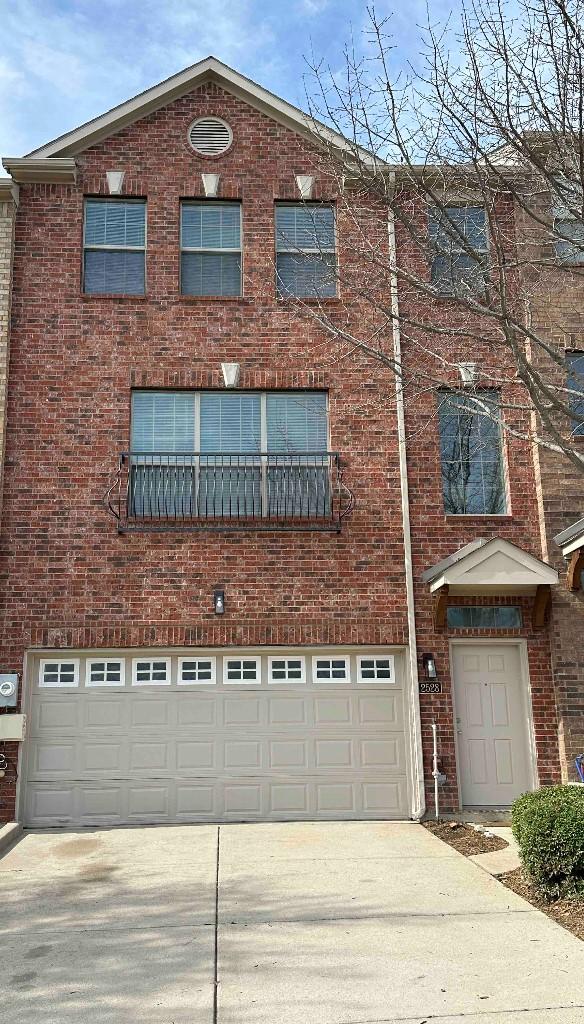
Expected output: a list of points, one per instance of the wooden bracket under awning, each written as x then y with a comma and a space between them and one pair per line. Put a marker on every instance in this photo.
541, 605
575, 569
440, 607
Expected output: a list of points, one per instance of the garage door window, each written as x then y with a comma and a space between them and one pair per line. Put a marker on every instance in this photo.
196, 670
105, 673
151, 673
242, 670
59, 673
286, 670
330, 670
375, 669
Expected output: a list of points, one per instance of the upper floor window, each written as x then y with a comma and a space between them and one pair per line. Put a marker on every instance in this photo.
114, 241
458, 240
473, 481
206, 454
575, 367
305, 250
210, 261
568, 226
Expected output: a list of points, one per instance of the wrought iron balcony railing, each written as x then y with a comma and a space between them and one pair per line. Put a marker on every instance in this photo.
214, 490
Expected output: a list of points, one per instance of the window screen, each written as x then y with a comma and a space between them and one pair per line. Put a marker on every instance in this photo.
454, 270
114, 247
305, 250
575, 367
211, 248
471, 455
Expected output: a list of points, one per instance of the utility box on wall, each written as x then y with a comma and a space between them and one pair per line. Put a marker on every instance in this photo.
12, 727
8, 689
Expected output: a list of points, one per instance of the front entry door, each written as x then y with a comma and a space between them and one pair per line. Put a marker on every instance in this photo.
491, 724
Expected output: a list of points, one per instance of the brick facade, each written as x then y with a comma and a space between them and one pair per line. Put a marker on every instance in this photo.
69, 579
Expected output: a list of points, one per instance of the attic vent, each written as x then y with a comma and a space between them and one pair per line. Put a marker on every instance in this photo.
210, 136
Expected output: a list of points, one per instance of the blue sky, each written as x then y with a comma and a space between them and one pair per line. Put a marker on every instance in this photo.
63, 62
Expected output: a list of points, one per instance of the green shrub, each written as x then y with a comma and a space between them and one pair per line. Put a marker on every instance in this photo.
549, 828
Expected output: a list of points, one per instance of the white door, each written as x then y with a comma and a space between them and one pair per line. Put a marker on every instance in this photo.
491, 723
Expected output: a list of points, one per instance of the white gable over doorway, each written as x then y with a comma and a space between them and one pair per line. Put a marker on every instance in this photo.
490, 567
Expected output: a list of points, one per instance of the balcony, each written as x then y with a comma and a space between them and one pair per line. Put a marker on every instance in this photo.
189, 491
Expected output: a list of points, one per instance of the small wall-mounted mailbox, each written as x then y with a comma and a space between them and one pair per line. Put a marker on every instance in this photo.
8, 689
12, 727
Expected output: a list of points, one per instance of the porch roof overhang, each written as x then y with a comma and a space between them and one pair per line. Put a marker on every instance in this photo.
490, 567
571, 539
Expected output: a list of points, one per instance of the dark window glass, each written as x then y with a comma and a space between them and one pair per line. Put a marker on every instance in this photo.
568, 226
575, 367
114, 247
305, 250
471, 455
477, 617
454, 270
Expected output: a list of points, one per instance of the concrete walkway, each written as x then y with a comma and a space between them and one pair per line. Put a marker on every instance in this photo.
340, 923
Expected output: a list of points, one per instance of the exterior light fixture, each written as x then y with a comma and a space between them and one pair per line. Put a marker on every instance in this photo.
219, 602
429, 664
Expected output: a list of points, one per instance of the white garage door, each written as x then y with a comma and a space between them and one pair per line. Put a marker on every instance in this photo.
237, 735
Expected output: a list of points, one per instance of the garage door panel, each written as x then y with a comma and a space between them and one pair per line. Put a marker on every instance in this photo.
222, 753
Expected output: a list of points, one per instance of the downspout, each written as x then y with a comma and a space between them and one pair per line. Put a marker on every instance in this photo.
416, 760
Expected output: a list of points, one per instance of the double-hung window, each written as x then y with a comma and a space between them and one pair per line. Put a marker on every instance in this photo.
306, 262
114, 241
575, 368
210, 261
231, 455
458, 243
568, 226
473, 479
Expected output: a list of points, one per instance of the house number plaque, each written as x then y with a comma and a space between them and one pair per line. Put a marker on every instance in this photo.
430, 686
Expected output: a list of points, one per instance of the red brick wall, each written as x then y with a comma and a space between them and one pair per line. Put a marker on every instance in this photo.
68, 578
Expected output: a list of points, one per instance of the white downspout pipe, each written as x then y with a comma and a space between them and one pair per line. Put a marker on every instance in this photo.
435, 772
418, 806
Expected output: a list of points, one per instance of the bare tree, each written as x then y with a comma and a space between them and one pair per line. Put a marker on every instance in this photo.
475, 158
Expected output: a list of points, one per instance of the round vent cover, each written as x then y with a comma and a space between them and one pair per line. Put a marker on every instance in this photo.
210, 136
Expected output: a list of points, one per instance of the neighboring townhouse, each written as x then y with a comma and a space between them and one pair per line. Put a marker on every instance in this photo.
230, 590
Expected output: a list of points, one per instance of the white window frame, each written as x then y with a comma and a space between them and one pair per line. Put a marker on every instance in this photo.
242, 682
376, 681
105, 661
58, 661
209, 251
287, 658
197, 682
151, 682
116, 248
331, 657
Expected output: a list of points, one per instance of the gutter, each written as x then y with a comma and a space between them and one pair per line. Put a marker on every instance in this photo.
416, 761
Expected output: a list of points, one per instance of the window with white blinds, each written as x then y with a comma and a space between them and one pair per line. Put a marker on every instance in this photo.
114, 241
306, 250
214, 453
210, 248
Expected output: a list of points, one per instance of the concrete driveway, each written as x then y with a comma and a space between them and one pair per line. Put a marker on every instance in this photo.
340, 923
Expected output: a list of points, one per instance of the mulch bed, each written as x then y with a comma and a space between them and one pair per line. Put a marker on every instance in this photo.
464, 838
567, 912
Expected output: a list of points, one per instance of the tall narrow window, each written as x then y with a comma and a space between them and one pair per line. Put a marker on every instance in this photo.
305, 250
473, 481
567, 206
114, 247
575, 367
458, 241
210, 248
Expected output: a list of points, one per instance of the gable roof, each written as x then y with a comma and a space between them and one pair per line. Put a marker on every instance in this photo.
209, 69
490, 566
